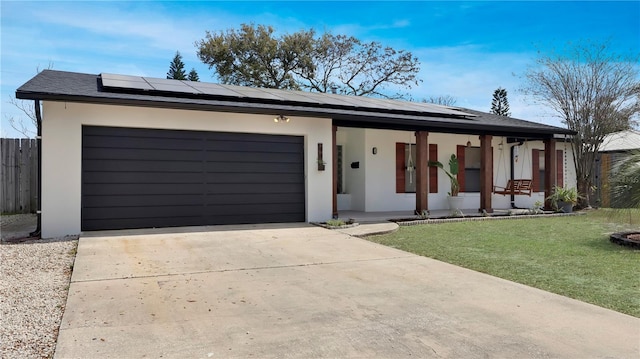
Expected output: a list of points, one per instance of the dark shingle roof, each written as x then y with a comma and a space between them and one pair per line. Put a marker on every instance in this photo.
344, 110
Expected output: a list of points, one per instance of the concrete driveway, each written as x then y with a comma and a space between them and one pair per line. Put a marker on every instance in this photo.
280, 291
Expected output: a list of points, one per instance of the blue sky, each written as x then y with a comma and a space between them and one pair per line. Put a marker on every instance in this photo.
466, 49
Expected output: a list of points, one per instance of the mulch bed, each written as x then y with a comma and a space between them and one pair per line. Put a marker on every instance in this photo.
630, 239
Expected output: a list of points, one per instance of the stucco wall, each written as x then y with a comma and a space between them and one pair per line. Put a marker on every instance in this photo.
61, 151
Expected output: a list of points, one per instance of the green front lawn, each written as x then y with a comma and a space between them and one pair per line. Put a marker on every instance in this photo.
569, 255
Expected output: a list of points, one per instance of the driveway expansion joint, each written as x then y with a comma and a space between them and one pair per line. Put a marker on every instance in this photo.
242, 269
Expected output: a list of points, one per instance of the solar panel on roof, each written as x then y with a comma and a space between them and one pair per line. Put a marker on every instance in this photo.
256, 93
333, 99
298, 96
125, 82
121, 77
171, 85
361, 102
214, 89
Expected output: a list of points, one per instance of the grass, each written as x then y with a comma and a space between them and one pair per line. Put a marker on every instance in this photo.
569, 255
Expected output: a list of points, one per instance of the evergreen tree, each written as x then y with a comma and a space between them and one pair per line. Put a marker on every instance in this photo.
176, 68
500, 104
193, 75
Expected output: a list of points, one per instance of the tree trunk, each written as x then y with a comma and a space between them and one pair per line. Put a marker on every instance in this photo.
584, 194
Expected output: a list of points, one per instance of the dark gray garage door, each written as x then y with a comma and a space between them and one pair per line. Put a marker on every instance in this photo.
142, 178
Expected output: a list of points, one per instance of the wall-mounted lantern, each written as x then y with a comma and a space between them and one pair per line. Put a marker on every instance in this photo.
321, 162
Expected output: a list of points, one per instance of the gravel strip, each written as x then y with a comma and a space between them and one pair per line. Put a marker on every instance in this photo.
34, 281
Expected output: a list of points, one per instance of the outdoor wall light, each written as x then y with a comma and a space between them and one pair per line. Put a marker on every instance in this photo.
321, 162
374, 150
281, 119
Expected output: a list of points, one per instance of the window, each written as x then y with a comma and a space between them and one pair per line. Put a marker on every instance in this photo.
410, 168
471, 169
406, 168
340, 170
538, 169
542, 186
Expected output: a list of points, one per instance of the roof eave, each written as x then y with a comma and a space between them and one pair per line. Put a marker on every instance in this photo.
347, 118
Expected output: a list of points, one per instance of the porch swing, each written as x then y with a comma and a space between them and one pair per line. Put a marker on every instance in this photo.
515, 186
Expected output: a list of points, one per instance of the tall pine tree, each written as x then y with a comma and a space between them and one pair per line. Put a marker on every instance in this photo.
500, 104
176, 68
193, 75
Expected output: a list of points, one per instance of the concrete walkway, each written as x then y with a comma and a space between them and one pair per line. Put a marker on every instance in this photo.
307, 292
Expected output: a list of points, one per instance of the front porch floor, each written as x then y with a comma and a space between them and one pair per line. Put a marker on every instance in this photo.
376, 217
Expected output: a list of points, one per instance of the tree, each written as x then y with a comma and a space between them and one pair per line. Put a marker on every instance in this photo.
176, 68
254, 56
500, 104
625, 181
193, 75
444, 100
27, 129
28, 109
594, 92
346, 65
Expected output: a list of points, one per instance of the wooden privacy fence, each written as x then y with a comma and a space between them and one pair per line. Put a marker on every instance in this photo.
19, 175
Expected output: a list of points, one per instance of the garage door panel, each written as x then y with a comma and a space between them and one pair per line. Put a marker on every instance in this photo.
138, 200
128, 132
109, 165
253, 209
188, 211
174, 221
253, 157
249, 146
253, 198
143, 154
192, 200
113, 165
189, 178
143, 143
249, 137
239, 188
258, 218
253, 167
143, 189
127, 223
253, 178
143, 177
142, 212
161, 189
139, 178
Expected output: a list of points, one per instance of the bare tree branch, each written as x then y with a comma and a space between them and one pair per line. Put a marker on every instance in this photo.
26, 128
444, 100
593, 91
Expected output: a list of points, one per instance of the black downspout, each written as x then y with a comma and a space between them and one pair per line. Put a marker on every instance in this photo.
38, 231
512, 174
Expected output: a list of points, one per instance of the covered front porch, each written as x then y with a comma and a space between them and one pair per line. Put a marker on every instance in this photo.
384, 174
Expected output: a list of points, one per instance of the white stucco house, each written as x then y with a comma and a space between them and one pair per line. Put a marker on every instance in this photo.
136, 152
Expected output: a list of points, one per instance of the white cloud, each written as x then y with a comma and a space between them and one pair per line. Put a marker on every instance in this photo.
471, 75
